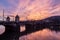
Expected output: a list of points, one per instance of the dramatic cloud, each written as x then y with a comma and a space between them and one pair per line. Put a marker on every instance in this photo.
28, 8
37, 9
33, 7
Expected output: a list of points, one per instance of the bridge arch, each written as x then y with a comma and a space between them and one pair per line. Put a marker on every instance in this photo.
22, 28
12, 31
2, 29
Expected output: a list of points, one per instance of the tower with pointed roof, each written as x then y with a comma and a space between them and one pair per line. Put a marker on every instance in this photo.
8, 19
17, 18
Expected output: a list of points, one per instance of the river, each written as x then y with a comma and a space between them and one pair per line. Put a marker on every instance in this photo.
44, 34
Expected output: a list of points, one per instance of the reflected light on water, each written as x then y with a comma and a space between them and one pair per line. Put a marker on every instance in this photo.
44, 34
22, 28
2, 29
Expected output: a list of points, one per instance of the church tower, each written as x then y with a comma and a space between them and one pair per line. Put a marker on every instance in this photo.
17, 18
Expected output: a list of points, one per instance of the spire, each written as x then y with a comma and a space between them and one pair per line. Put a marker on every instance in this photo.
3, 14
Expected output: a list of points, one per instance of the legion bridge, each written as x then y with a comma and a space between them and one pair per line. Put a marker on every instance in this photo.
12, 28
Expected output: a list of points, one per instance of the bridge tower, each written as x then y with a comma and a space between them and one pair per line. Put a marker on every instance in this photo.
17, 18
8, 19
17, 27
12, 29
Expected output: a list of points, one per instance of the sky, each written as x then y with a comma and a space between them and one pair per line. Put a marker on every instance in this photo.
30, 9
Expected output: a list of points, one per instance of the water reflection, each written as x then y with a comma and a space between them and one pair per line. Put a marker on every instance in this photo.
44, 34
2, 29
22, 28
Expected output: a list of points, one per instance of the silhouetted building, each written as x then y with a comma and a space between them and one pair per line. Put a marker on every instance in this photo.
8, 18
17, 18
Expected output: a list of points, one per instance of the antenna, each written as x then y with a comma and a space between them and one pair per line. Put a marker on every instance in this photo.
3, 14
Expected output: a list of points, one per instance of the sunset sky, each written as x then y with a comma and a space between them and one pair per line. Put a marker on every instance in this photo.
30, 9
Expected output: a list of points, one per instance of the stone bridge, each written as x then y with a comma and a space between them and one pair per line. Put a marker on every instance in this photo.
12, 28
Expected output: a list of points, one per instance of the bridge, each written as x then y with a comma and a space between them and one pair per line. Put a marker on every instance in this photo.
12, 28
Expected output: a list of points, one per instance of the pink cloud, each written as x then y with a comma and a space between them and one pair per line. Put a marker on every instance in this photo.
28, 7
36, 6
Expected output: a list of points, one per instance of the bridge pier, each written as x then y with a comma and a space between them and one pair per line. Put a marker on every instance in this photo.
28, 29
12, 32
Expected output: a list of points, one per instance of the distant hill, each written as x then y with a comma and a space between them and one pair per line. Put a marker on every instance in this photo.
53, 18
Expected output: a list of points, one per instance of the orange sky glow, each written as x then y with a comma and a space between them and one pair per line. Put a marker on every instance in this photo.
31, 9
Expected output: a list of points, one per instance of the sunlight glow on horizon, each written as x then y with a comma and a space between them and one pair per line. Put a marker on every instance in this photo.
31, 9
